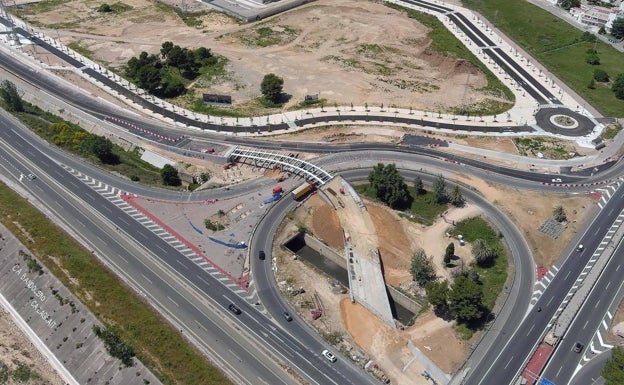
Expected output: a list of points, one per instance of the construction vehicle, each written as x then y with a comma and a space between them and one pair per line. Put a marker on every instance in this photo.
303, 190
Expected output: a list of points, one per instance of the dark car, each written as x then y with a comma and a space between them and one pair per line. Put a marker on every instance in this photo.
261, 255
287, 316
578, 347
234, 309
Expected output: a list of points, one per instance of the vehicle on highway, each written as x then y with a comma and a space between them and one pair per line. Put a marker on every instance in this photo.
556, 180
261, 255
32, 176
329, 355
580, 247
234, 309
287, 316
578, 347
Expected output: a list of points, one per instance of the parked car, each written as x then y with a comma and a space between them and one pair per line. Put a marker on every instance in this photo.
287, 316
234, 309
329, 355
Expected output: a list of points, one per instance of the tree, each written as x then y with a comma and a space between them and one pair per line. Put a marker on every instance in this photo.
456, 197
465, 300
11, 96
618, 86
389, 186
105, 8
101, 147
449, 253
437, 294
567, 4
422, 268
271, 87
592, 84
601, 76
170, 176
613, 371
418, 185
617, 28
482, 253
592, 59
439, 190
559, 214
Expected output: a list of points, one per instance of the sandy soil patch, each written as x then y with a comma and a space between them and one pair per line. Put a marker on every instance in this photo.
16, 349
348, 51
437, 241
529, 210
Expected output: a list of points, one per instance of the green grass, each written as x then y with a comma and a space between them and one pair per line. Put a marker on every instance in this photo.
158, 345
611, 131
424, 208
493, 277
557, 45
119, 7
443, 41
77, 47
39, 7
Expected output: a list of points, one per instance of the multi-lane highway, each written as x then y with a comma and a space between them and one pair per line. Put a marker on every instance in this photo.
68, 198
500, 366
197, 301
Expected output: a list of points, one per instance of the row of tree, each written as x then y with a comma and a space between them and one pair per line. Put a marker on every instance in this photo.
390, 188
152, 72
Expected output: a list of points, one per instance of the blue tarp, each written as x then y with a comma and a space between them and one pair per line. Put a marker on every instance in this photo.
232, 245
195, 228
274, 198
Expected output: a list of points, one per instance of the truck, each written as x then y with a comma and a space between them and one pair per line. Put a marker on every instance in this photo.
302, 190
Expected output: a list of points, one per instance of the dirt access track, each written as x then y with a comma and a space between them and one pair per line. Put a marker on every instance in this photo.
347, 51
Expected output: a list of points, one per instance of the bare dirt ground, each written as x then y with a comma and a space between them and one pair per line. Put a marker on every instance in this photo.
16, 349
400, 238
348, 51
435, 337
616, 331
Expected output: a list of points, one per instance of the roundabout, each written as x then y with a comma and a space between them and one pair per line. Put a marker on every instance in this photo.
563, 121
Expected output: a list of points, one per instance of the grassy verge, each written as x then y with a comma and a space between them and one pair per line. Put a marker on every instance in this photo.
493, 277
157, 344
443, 41
43, 123
558, 46
424, 209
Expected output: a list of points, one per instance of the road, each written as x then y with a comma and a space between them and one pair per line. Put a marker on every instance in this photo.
513, 349
564, 362
198, 301
501, 366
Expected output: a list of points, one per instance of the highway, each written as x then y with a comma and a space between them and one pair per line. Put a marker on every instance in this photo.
563, 363
198, 300
213, 325
501, 366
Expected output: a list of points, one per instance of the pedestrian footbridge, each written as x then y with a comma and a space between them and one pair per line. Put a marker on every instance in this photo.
272, 160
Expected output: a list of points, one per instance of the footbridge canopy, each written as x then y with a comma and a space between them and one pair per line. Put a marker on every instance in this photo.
271, 160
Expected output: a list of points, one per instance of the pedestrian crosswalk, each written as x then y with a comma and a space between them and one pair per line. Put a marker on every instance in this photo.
116, 196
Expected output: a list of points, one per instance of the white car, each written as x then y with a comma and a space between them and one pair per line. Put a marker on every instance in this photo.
329, 355
556, 180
